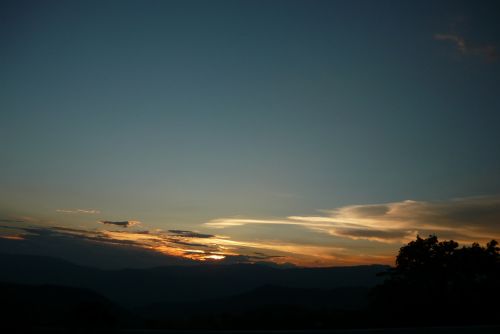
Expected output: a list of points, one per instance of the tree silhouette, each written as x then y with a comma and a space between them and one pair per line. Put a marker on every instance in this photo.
439, 282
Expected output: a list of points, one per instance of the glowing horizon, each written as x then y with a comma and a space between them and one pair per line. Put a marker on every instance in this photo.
339, 236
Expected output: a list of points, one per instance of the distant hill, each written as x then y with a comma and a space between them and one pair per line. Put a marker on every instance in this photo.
267, 296
49, 305
266, 307
136, 287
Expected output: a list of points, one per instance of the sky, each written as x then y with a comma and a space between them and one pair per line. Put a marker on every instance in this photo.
316, 133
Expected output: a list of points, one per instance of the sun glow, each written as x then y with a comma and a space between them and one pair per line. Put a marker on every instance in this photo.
215, 257
203, 247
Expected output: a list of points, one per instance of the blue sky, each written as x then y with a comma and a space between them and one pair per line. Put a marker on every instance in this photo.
179, 113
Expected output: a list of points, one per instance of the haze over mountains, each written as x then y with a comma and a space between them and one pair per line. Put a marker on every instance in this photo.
47, 291
134, 287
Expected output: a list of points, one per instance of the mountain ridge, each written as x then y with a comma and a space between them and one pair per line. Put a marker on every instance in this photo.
137, 287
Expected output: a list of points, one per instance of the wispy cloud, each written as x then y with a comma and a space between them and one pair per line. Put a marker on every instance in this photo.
354, 234
125, 223
464, 219
198, 246
487, 51
455, 39
83, 211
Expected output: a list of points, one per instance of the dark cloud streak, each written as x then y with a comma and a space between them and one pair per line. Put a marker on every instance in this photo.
125, 223
190, 234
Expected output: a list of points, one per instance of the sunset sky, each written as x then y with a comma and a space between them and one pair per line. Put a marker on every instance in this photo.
319, 133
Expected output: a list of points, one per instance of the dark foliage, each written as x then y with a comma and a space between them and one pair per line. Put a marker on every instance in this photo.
437, 283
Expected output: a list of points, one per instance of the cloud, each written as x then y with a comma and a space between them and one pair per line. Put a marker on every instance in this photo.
177, 243
11, 221
13, 237
354, 234
457, 40
488, 52
348, 235
84, 211
185, 243
90, 248
216, 248
465, 219
125, 223
68, 229
233, 259
190, 234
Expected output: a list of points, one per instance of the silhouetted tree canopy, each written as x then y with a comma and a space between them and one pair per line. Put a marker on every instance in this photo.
439, 282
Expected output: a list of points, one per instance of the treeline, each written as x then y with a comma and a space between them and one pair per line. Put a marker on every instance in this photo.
441, 283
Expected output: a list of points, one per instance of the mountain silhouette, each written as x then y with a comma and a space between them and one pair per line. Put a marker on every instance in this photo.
138, 287
57, 306
266, 296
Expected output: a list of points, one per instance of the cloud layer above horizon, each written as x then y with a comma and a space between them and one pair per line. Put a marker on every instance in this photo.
464, 219
354, 234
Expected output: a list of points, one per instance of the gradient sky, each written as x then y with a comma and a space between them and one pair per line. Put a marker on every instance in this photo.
238, 119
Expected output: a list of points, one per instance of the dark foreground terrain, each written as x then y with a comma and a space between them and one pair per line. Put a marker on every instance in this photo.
425, 330
436, 287
49, 292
